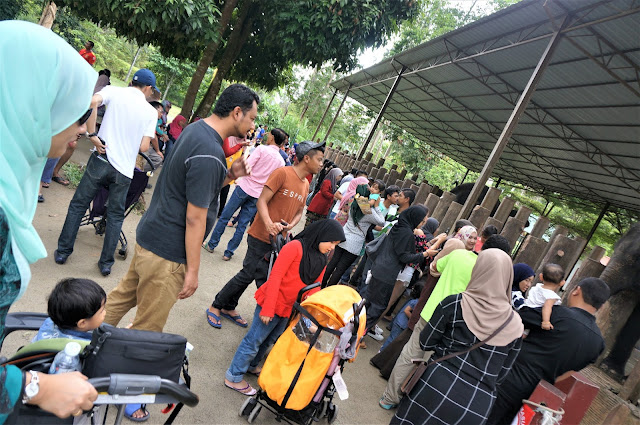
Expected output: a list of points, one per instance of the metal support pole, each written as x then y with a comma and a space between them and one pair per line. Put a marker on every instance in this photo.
363, 148
517, 112
465, 176
335, 117
597, 223
324, 114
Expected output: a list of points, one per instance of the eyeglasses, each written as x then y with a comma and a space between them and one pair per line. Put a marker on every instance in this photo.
83, 119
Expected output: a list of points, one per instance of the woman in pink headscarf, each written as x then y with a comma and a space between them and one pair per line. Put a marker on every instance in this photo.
347, 197
175, 128
468, 235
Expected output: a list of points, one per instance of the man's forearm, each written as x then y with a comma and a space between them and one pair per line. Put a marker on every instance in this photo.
296, 218
193, 237
155, 144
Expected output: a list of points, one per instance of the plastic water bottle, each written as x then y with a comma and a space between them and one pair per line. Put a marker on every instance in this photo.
67, 360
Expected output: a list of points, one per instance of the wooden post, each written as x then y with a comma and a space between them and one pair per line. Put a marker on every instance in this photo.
443, 205
431, 203
491, 198
504, 209
449, 219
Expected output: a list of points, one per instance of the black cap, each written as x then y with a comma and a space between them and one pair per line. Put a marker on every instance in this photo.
306, 146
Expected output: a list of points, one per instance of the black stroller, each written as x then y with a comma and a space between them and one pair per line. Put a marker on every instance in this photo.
97, 213
113, 388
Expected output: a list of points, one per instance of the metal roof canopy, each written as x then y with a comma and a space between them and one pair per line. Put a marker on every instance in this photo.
564, 75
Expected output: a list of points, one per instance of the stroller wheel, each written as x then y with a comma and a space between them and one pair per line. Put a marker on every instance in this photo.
254, 413
247, 406
122, 252
332, 413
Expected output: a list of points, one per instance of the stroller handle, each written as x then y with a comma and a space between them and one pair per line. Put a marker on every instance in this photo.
129, 384
146, 158
307, 289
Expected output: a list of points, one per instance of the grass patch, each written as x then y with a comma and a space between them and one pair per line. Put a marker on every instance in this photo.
73, 172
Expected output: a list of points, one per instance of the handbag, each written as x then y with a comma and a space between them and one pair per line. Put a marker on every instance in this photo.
422, 366
373, 247
119, 350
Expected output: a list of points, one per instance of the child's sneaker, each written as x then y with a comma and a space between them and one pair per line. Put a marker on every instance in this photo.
375, 336
378, 330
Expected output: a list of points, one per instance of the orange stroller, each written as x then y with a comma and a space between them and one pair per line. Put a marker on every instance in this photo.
297, 380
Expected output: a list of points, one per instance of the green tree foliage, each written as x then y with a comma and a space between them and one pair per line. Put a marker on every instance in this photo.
179, 28
10, 9
307, 32
171, 73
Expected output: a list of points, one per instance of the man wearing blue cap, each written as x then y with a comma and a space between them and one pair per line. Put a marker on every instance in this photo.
128, 125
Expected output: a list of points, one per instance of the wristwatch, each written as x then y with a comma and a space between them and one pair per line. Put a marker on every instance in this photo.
31, 390
90, 135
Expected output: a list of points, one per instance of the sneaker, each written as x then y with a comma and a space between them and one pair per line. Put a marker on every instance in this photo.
375, 336
378, 330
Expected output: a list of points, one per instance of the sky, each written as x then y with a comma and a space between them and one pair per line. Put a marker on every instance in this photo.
372, 56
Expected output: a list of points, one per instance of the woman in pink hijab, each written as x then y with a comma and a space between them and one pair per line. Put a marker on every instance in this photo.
175, 128
347, 197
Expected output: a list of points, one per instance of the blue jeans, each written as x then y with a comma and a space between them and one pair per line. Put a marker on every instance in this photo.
98, 174
332, 215
395, 331
248, 209
49, 166
255, 344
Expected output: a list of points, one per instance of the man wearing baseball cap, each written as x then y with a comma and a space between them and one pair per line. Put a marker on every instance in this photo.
128, 125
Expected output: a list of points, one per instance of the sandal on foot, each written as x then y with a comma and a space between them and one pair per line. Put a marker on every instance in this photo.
387, 406
225, 258
45, 185
235, 319
211, 317
248, 390
63, 182
40, 198
205, 246
130, 409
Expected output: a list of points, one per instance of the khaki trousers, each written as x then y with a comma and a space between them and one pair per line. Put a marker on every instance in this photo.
152, 284
404, 364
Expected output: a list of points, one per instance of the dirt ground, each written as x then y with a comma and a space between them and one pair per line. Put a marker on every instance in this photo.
213, 348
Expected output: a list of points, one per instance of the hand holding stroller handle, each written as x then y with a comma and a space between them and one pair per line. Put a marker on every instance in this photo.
130, 384
307, 289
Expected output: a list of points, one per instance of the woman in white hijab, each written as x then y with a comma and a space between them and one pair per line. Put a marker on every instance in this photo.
45, 93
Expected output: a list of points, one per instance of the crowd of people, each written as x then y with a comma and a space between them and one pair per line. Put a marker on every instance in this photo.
486, 333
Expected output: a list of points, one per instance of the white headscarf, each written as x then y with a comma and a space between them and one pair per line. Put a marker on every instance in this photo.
45, 85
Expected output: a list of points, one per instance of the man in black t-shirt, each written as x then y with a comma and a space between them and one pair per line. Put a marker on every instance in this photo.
182, 211
574, 343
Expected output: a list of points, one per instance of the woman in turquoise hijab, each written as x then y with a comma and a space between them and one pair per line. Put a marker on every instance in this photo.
45, 93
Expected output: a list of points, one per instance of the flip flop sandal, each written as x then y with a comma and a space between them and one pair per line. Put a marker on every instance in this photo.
234, 319
60, 180
211, 317
45, 185
248, 390
130, 409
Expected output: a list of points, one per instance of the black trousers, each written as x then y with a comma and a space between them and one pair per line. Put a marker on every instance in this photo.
340, 262
378, 296
224, 194
254, 267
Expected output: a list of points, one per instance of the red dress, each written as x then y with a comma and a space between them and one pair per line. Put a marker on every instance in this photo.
321, 203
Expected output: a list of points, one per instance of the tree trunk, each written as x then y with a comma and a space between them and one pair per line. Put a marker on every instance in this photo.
239, 35
135, 58
48, 15
308, 86
207, 58
166, 90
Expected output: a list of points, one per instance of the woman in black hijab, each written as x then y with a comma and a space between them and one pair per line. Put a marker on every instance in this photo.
397, 250
301, 262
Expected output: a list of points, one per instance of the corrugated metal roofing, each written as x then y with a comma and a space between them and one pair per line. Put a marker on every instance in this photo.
580, 134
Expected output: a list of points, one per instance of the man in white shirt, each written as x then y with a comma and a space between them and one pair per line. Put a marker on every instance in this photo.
128, 125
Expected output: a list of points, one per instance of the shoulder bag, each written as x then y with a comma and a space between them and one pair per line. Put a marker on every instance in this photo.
421, 366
